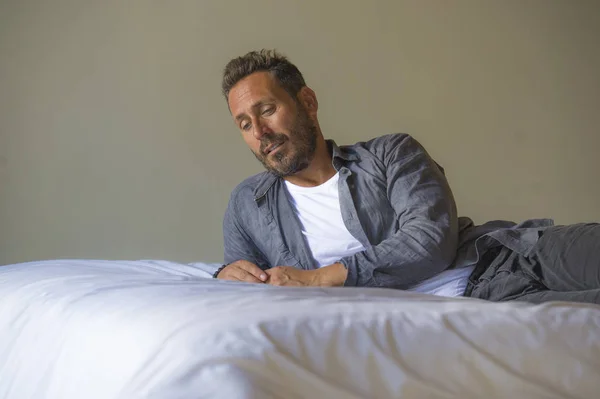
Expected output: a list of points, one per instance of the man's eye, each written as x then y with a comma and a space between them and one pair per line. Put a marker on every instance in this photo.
246, 126
269, 111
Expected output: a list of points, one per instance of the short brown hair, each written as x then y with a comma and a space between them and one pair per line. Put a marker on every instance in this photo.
286, 73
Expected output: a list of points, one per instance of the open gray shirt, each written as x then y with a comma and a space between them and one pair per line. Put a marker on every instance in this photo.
395, 200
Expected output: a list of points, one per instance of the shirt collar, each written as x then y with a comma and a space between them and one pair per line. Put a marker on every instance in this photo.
341, 152
338, 154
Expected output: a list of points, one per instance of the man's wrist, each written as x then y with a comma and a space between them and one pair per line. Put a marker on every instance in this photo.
331, 276
216, 274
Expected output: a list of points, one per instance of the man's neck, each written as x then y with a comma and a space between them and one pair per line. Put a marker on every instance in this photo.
318, 172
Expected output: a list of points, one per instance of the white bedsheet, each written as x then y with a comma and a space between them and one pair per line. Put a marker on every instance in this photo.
154, 329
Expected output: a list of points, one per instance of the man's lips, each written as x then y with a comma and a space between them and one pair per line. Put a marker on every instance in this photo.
271, 148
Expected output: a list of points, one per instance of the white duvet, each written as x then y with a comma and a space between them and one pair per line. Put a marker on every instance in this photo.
153, 329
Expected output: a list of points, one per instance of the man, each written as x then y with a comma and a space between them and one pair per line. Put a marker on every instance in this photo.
378, 213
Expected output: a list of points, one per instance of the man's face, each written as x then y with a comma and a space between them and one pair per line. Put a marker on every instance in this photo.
275, 126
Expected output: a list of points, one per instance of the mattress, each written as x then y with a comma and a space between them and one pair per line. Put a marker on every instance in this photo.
159, 329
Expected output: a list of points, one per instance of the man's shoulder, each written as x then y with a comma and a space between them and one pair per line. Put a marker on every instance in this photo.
380, 146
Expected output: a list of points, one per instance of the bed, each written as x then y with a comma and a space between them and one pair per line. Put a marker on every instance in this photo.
158, 329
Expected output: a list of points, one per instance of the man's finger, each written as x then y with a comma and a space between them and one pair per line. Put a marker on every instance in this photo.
242, 275
235, 273
274, 276
252, 269
250, 278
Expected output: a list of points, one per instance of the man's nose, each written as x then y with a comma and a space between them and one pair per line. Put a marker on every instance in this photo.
260, 129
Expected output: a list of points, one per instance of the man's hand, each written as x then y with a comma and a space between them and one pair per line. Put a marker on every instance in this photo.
291, 277
242, 270
327, 276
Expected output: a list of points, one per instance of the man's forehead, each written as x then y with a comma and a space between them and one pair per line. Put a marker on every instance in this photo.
251, 91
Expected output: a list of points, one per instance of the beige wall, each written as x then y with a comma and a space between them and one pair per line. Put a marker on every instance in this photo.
115, 142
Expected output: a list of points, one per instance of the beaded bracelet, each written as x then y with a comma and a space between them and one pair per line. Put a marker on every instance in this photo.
215, 274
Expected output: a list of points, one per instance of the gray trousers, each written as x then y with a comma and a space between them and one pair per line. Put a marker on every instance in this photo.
564, 265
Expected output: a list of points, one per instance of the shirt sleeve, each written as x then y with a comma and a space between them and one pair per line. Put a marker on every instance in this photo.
426, 240
237, 243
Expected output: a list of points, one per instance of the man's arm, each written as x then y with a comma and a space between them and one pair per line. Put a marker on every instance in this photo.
426, 240
241, 256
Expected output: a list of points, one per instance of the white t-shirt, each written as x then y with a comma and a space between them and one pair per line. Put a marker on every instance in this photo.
319, 212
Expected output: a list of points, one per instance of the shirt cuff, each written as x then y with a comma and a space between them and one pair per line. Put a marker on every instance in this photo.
352, 277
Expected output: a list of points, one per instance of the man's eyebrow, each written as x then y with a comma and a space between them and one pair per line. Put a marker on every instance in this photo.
257, 104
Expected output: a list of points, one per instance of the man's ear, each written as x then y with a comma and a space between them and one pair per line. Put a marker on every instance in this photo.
308, 99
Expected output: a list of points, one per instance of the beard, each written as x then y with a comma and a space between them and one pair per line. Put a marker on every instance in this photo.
301, 147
